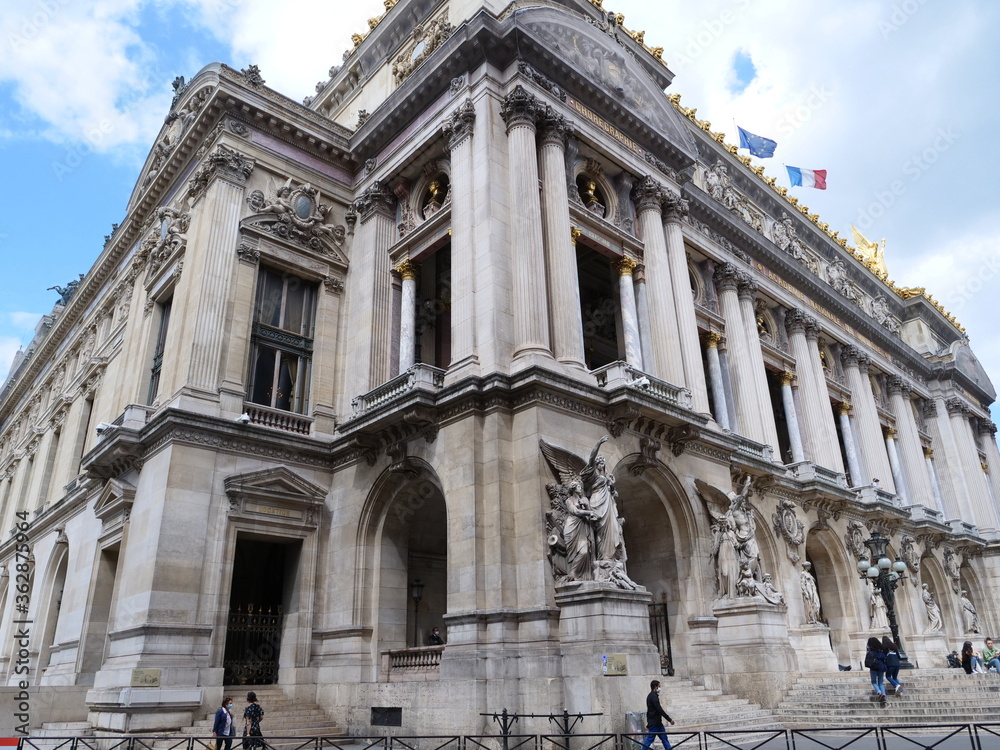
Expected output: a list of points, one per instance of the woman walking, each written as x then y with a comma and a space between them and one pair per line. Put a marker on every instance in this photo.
875, 661
892, 664
252, 715
222, 729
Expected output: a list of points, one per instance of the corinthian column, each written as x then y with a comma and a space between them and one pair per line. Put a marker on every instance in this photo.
741, 364
911, 453
667, 362
408, 316
459, 132
850, 446
988, 433
520, 111
630, 322
715, 381
935, 484
984, 513
564, 284
866, 413
896, 467
642, 310
791, 418
747, 297
950, 469
832, 452
675, 209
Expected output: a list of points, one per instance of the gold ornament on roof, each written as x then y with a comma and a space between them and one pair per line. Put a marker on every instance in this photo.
910, 292
871, 253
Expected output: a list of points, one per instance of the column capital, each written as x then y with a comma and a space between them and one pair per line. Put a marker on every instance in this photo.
787, 377
520, 109
844, 407
223, 163
956, 407
928, 452
555, 128
639, 274
624, 266
890, 433
377, 199
408, 269
727, 277
648, 195
747, 286
899, 385
796, 320
675, 208
852, 356
712, 339
460, 125
987, 428
575, 233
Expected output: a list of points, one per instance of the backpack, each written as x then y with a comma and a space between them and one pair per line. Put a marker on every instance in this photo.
870, 660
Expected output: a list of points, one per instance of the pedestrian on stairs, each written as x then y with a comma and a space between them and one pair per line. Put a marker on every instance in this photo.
875, 661
252, 715
222, 729
655, 716
892, 663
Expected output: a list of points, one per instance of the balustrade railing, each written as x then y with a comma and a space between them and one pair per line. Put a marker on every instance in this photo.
418, 658
278, 419
419, 377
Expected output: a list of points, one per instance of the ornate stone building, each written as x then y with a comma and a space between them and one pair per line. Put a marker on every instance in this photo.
338, 377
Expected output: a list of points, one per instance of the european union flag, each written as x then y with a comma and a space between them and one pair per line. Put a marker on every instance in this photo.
758, 145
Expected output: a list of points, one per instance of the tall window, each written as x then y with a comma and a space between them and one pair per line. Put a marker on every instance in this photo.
161, 341
282, 341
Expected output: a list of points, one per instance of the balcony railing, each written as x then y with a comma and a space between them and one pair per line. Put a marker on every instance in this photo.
277, 419
412, 664
419, 377
622, 374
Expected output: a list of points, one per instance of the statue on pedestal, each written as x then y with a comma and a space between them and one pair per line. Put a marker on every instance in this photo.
584, 529
933, 610
878, 611
969, 614
810, 594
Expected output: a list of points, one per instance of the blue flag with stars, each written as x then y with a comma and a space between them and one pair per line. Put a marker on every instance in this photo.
758, 145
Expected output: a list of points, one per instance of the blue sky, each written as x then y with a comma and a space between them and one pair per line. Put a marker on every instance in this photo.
888, 97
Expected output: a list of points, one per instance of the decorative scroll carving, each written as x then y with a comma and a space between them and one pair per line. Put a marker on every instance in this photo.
224, 163
648, 450
376, 199
253, 77
789, 527
908, 551
295, 213
172, 240
425, 39
533, 75
854, 539
460, 125
520, 108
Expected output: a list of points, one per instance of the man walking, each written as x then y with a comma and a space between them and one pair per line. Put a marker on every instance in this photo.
655, 716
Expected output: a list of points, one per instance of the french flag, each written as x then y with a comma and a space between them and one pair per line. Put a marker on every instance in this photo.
814, 178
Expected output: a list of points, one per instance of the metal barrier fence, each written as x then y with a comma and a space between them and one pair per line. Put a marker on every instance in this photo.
901, 737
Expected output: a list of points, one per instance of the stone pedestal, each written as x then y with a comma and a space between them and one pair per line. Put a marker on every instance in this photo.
594, 622
130, 710
757, 662
813, 648
930, 650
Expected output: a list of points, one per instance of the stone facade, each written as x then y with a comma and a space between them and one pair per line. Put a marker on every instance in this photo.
318, 362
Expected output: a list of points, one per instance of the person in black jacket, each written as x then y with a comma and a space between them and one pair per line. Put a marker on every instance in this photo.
875, 661
655, 716
892, 663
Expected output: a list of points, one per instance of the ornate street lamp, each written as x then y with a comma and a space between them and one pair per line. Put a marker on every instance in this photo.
885, 575
417, 593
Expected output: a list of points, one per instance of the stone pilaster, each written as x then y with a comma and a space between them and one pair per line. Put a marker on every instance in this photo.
747, 299
988, 433
715, 381
791, 418
741, 364
674, 210
935, 483
564, 283
459, 131
667, 361
948, 463
984, 514
827, 425
866, 413
408, 315
630, 321
520, 111
896, 467
908, 438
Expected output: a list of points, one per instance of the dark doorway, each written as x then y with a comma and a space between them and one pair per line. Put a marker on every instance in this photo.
434, 310
599, 308
256, 610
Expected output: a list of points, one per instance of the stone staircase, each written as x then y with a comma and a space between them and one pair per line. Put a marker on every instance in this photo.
930, 696
697, 709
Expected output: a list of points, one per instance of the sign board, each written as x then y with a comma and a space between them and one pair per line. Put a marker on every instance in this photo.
614, 665
145, 678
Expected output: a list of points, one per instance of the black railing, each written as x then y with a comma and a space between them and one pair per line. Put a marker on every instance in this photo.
659, 630
899, 737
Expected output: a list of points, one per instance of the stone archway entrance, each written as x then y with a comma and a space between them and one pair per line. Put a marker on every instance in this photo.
838, 607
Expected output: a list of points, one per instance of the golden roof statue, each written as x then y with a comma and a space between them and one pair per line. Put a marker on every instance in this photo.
872, 254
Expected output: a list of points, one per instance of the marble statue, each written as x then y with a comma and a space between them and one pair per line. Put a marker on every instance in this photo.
584, 529
734, 541
810, 594
933, 611
878, 611
969, 614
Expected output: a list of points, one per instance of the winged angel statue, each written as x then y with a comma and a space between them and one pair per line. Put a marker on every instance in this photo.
584, 530
734, 544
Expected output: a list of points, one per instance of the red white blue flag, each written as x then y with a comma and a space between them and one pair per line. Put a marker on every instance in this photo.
814, 178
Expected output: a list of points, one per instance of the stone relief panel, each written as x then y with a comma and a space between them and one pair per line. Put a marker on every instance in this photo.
425, 39
296, 213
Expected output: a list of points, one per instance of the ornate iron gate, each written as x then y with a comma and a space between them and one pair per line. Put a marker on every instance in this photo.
253, 641
659, 629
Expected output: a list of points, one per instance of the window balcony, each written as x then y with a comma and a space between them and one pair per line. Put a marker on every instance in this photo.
417, 664
278, 419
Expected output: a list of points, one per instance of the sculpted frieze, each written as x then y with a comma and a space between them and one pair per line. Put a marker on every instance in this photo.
424, 41
296, 213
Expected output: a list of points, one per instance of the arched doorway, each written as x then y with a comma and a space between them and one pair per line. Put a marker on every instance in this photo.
52, 605
834, 576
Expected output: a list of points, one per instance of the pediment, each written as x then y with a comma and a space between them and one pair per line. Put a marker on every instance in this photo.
115, 500
279, 483
598, 56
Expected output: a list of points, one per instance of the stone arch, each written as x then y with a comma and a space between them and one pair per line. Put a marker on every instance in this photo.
402, 536
51, 592
664, 547
608, 195
932, 573
969, 578
697, 285
840, 607
435, 169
